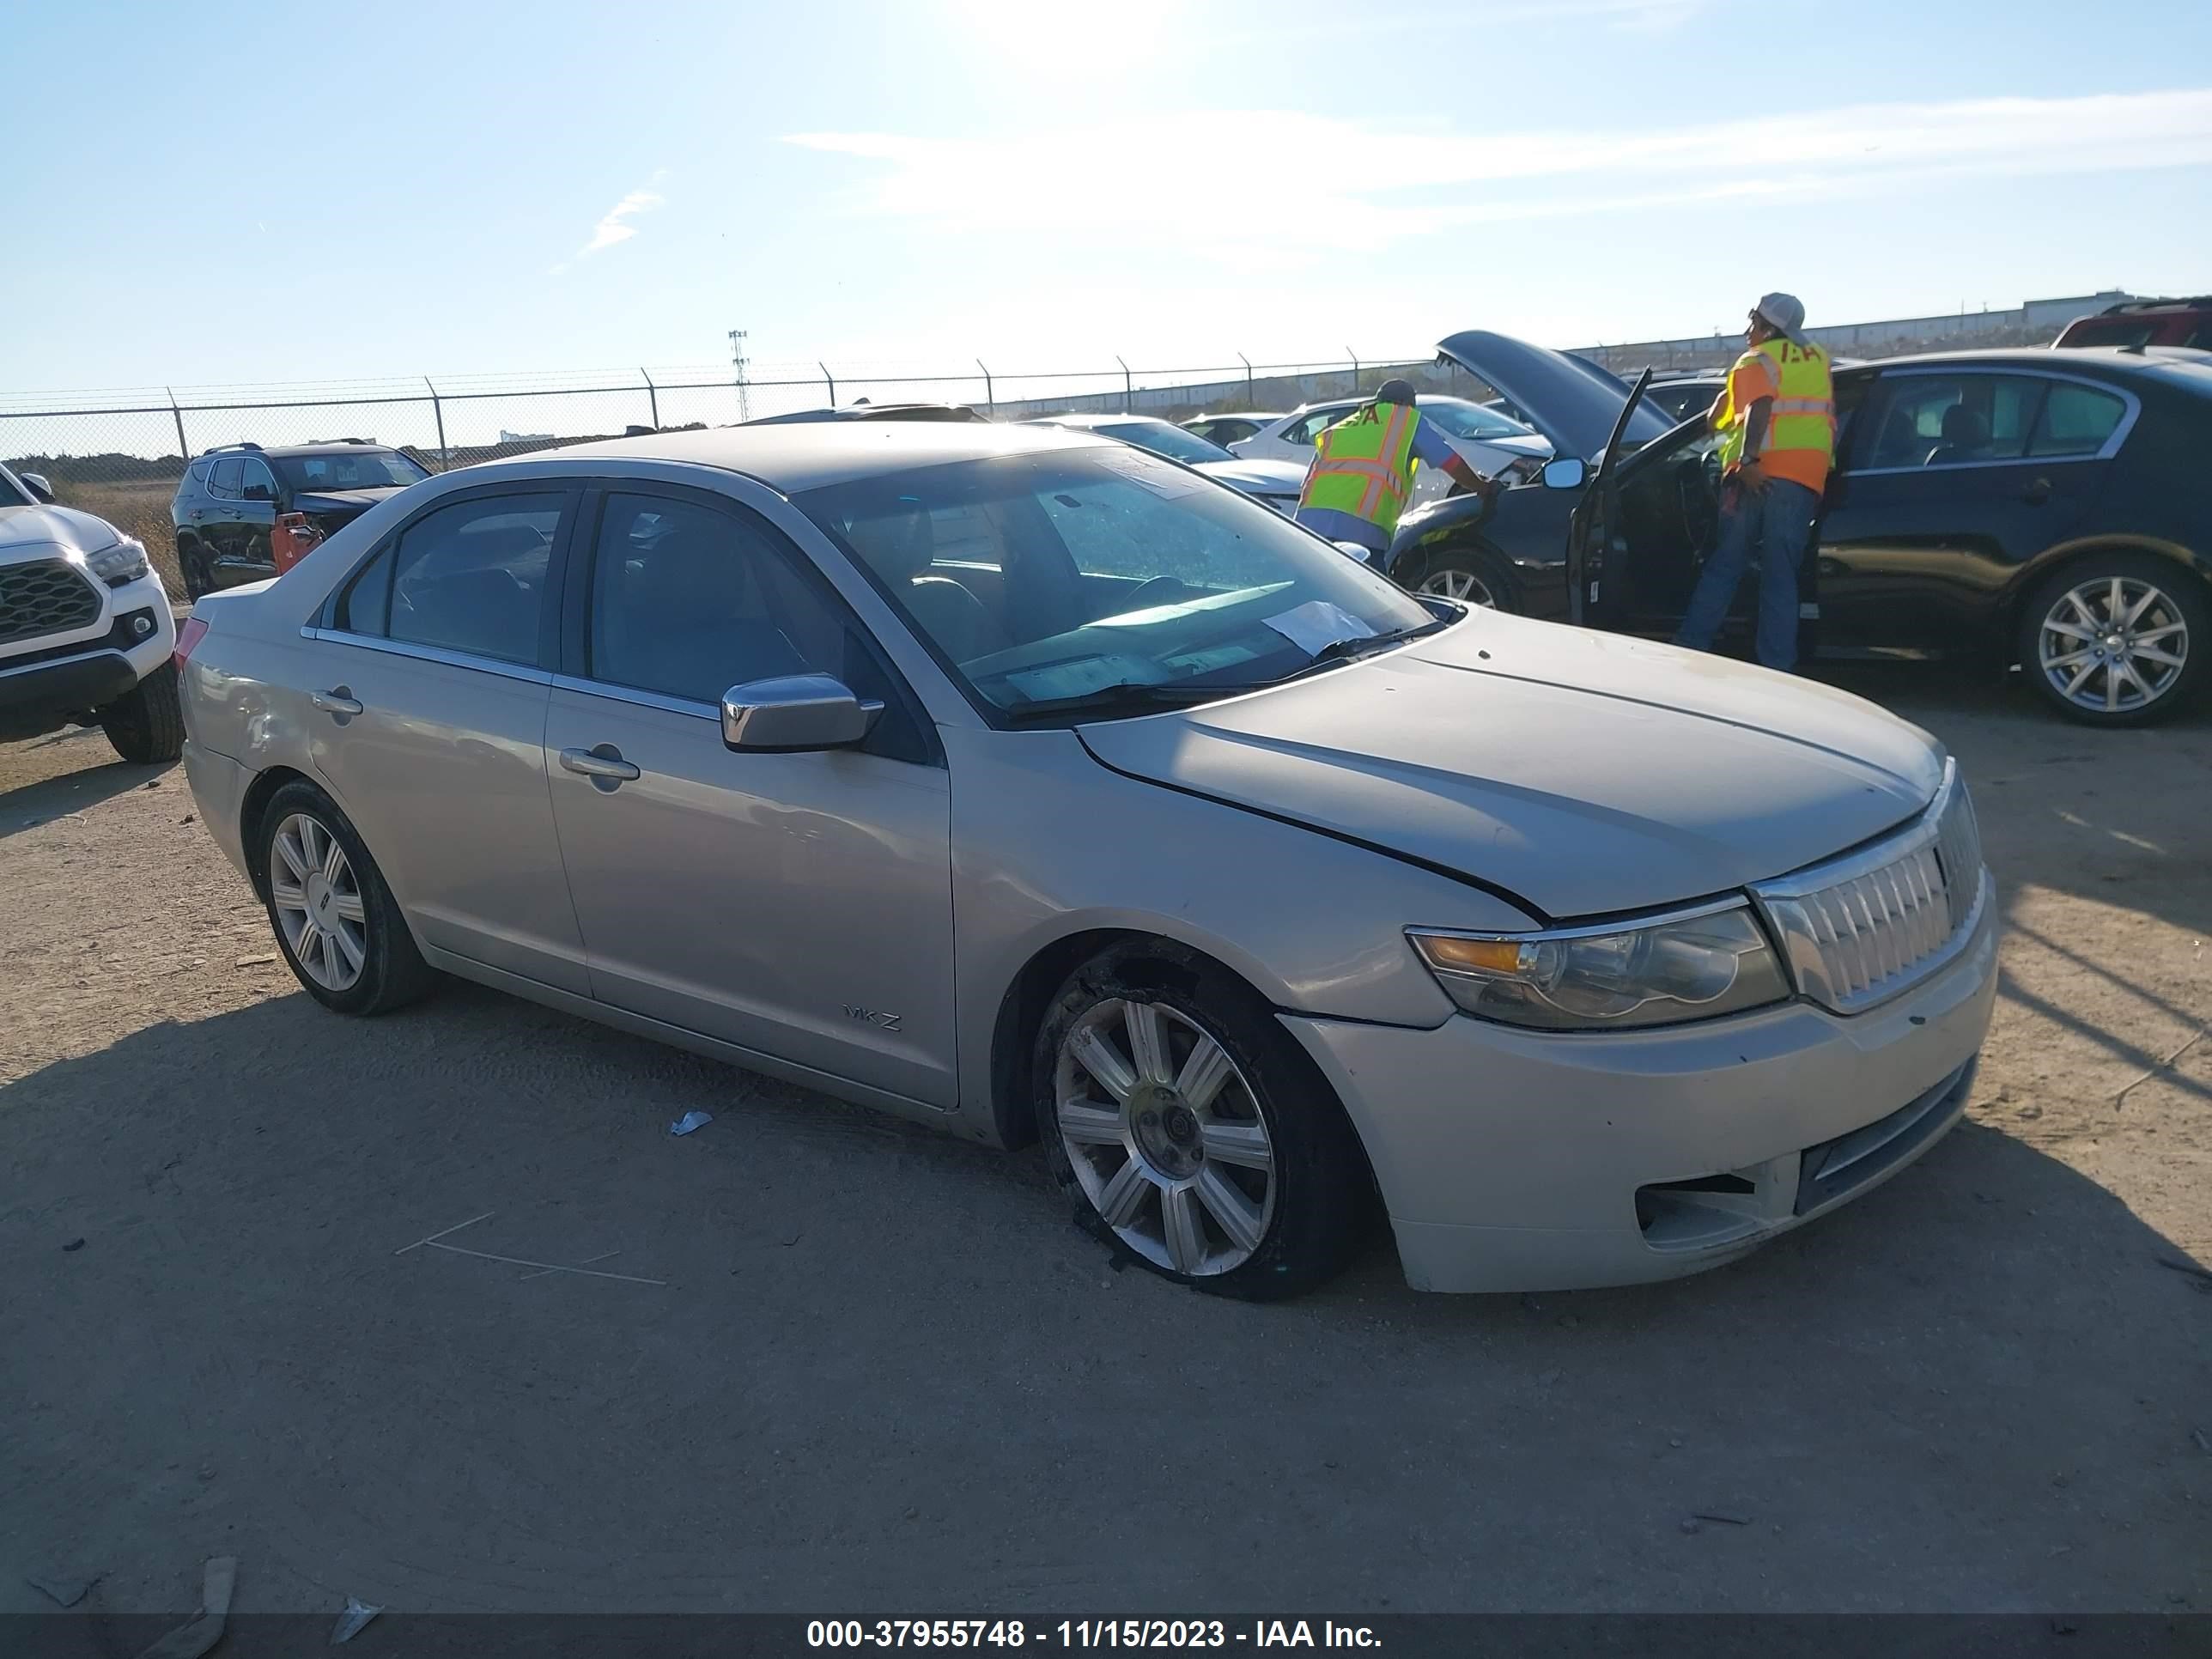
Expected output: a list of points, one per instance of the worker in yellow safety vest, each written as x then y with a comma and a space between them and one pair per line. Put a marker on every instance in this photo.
1777, 417
1362, 473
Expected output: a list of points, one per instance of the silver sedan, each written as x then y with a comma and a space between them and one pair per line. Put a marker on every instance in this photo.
1033, 787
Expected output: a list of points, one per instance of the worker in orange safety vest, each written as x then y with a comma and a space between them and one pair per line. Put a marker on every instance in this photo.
1777, 417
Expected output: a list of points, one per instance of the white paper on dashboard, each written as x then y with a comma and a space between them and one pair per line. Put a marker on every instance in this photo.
1318, 624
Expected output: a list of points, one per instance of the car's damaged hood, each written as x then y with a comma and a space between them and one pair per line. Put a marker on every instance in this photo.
337, 502
1583, 774
1570, 399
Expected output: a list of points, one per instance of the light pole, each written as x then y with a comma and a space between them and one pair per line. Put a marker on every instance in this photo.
741, 363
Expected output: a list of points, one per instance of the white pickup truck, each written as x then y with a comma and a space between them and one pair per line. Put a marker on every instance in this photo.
85, 627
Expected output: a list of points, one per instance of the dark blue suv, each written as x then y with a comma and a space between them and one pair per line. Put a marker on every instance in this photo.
230, 499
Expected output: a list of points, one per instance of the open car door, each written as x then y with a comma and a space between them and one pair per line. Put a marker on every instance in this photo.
1595, 532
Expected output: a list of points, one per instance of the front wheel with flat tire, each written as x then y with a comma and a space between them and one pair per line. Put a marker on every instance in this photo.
335, 920
1191, 1131
2112, 641
1469, 575
146, 723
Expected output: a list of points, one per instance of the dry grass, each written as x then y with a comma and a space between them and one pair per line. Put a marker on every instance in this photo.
137, 509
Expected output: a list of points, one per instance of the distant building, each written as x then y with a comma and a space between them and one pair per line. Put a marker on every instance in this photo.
507, 437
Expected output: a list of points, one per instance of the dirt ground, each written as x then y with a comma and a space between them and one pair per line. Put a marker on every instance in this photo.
853, 1366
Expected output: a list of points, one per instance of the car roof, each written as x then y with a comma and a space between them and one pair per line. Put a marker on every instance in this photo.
867, 411
810, 455
2122, 361
285, 452
1420, 397
1093, 422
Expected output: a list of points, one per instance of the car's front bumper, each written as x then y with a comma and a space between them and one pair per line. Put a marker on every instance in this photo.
1516, 1161
43, 682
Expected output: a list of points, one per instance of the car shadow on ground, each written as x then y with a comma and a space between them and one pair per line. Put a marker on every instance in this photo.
30, 804
815, 1351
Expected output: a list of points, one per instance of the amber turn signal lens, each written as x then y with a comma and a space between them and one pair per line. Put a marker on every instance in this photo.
1481, 956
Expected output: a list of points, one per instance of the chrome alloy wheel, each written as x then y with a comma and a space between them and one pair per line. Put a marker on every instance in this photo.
1165, 1137
2113, 646
1461, 585
318, 902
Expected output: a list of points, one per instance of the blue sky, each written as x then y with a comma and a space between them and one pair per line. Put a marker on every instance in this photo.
236, 194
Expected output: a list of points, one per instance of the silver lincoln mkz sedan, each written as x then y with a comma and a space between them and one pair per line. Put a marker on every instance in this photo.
1029, 785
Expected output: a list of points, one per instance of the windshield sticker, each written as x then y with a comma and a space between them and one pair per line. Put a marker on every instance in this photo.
1318, 624
1150, 471
1072, 679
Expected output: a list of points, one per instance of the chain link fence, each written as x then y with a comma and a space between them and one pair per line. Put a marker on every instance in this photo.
121, 455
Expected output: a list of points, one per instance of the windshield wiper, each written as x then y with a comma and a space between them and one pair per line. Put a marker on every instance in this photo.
1124, 695
1367, 644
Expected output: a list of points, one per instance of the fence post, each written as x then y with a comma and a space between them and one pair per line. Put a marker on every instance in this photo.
1128, 395
1250, 397
1354, 355
438, 413
652, 396
990, 398
831, 378
183, 448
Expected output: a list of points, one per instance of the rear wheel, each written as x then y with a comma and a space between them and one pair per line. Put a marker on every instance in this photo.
146, 723
2115, 640
334, 918
1191, 1131
1470, 575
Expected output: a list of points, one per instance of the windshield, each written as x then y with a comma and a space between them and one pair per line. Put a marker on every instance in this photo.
1464, 420
11, 493
348, 469
1162, 439
1041, 577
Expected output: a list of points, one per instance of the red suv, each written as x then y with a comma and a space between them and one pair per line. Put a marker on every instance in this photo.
2145, 323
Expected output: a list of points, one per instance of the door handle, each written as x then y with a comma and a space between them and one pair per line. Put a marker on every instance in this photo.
336, 702
2036, 493
604, 763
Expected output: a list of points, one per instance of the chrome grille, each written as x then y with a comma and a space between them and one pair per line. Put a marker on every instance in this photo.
1859, 929
45, 597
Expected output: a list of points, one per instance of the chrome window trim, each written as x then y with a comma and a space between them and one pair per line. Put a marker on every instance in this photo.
526, 672
629, 694
2111, 445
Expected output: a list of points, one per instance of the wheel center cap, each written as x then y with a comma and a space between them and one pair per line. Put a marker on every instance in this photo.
1167, 1131
318, 896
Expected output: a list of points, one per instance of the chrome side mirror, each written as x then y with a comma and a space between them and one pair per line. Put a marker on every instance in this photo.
794, 713
37, 484
1568, 472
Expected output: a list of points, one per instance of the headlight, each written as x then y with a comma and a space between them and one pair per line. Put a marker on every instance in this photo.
1676, 968
125, 561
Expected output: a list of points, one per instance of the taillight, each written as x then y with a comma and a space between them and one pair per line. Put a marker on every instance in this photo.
190, 635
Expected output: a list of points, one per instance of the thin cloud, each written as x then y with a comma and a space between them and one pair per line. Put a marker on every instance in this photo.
1358, 185
615, 225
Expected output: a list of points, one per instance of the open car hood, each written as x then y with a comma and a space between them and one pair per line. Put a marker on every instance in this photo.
1586, 774
1570, 399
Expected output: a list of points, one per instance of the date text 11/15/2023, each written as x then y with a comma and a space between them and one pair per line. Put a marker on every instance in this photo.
1083, 1633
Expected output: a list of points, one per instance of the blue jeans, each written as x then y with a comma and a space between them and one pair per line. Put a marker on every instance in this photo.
1776, 524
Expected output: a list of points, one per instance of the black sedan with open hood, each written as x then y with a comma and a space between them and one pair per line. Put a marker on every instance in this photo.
2025, 507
